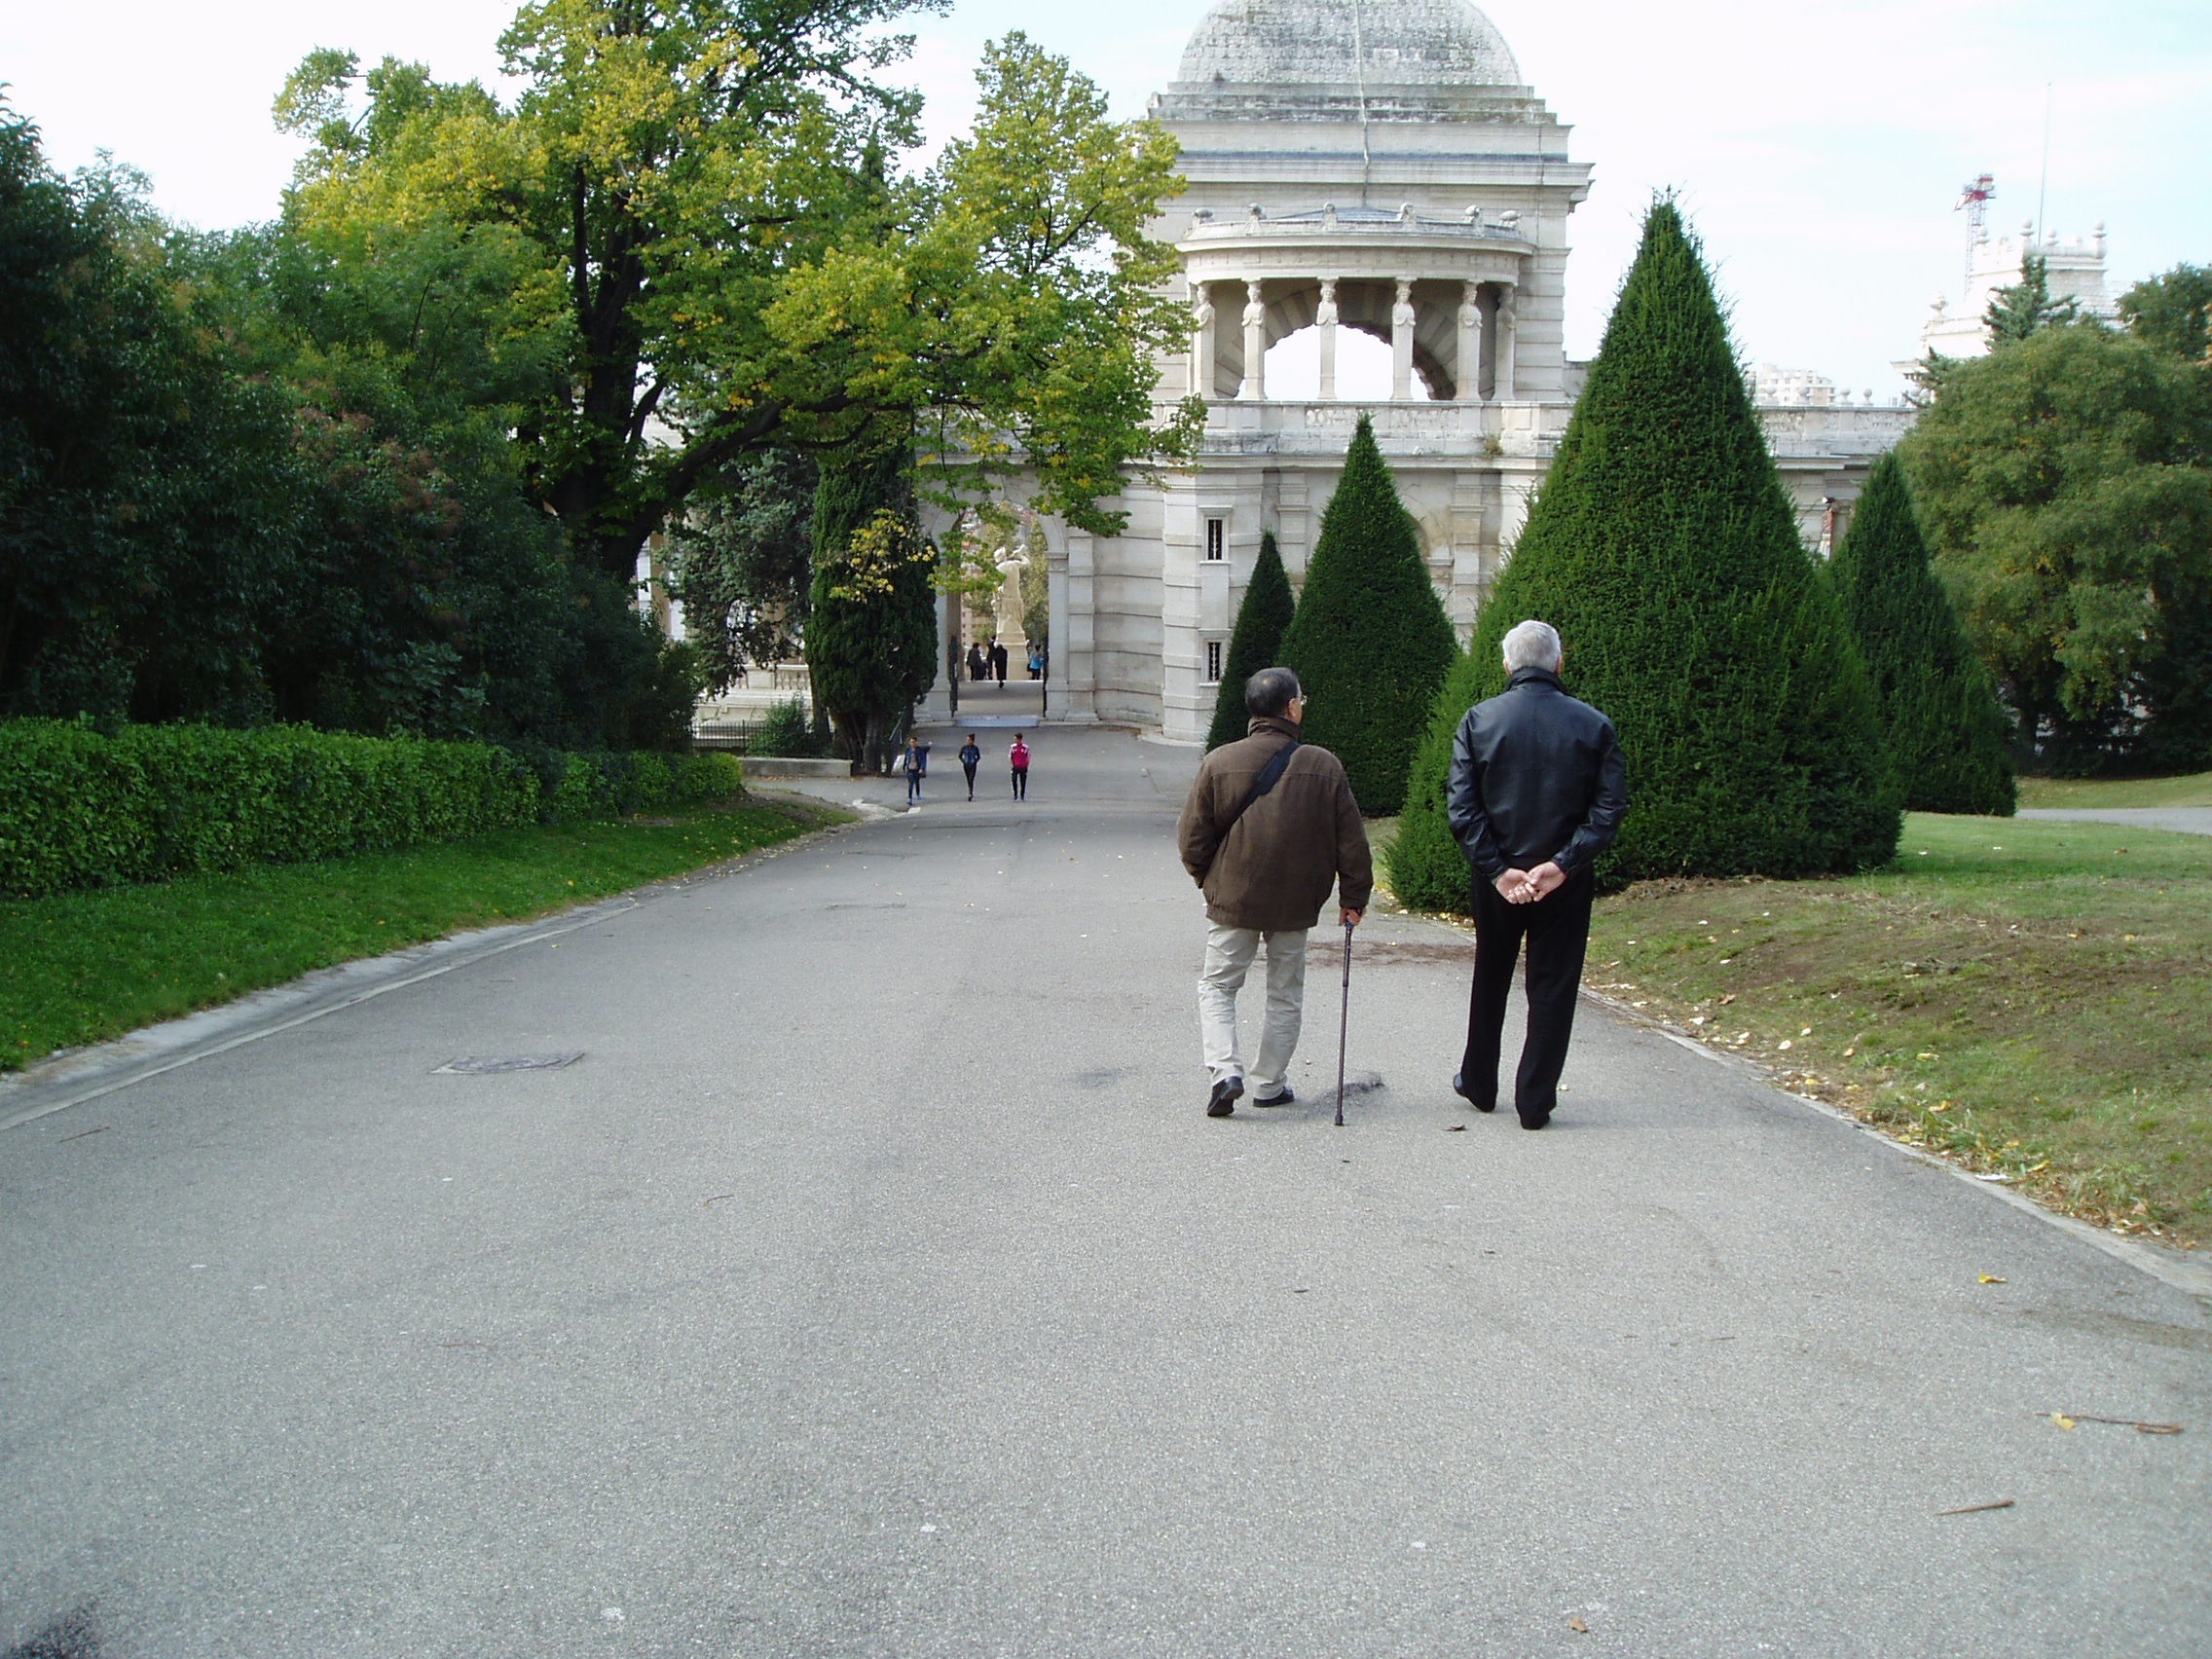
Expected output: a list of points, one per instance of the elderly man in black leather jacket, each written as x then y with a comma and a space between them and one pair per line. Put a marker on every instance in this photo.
1538, 790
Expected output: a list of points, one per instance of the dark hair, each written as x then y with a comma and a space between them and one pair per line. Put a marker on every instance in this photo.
1268, 693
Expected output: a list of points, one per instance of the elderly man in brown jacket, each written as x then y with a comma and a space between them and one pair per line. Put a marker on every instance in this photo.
1270, 826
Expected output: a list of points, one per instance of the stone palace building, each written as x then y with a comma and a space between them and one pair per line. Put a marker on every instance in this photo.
1369, 170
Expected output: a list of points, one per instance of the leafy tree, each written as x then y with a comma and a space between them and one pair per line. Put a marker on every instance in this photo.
716, 243
1370, 641
269, 476
1262, 618
2173, 312
146, 489
2026, 307
2066, 485
745, 563
871, 641
1948, 746
1663, 548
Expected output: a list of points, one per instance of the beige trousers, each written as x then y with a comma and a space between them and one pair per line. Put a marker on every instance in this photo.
1229, 958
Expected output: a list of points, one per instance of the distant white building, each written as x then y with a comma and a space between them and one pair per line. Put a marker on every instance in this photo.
2074, 269
1369, 180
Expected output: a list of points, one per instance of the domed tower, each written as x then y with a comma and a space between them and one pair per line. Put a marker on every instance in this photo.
1371, 158
1375, 166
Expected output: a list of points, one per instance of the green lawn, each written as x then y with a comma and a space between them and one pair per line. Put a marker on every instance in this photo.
2084, 793
2033, 998
81, 967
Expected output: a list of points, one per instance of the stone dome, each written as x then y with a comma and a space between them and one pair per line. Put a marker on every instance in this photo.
1251, 45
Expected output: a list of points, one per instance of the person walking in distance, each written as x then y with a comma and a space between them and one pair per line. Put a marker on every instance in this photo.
998, 662
1019, 755
971, 758
1269, 826
1538, 790
917, 767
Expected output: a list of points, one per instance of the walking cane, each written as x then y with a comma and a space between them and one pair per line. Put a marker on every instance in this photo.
1343, 1027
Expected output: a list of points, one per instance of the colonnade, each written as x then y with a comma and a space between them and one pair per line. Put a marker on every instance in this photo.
1485, 308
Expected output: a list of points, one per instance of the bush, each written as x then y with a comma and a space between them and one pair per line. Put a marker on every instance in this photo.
1426, 867
1664, 550
1370, 641
82, 809
1946, 736
785, 730
1262, 618
606, 785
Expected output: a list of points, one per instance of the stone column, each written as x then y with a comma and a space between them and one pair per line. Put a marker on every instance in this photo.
1507, 323
1201, 341
1402, 343
1255, 385
1325, 318
1470, 387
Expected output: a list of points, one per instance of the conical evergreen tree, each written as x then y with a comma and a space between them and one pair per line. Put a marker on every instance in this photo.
1948, 746
1262, 619
1664, 550
871, 634
1370, 641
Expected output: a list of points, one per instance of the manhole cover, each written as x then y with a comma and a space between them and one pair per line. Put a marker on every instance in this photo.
512, 1062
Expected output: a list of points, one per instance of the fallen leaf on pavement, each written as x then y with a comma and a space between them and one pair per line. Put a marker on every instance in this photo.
1978, 1508
1456, 1128
2063, 1421
1576, 1624
1992, 1278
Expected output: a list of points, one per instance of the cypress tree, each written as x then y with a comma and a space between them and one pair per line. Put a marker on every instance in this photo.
871, 634
1663, 548
1948, 744
1263, 617
1370, 641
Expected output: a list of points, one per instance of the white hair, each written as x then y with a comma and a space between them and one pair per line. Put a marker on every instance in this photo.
1532, 645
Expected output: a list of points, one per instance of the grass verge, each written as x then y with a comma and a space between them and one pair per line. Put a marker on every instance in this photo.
2085, 795
82, 966
2032, 1000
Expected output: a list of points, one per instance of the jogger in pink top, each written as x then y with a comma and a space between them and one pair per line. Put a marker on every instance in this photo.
1021, 757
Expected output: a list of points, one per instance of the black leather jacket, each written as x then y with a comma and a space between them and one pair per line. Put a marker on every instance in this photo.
1535, 776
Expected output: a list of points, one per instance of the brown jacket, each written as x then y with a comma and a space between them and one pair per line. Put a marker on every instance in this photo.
1276, 866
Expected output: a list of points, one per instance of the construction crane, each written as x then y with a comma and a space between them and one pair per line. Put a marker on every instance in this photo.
1975, 199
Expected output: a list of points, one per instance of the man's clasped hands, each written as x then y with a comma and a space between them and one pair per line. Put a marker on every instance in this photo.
1527, 886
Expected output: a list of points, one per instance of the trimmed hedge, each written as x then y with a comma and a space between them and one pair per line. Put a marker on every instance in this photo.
1262, 618
1949, 744
1664, 549
1370, 641
82, 809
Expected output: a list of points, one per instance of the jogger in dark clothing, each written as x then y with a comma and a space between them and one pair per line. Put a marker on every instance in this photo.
971, 758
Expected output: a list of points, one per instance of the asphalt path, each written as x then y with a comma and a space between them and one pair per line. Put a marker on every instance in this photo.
875, 1285
2186, 820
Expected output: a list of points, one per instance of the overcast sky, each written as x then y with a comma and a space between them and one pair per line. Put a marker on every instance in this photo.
1819, 148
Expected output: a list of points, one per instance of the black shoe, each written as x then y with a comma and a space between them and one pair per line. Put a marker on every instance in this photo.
1535, 1122
1285, 1098
1223, 1100
1459, 1088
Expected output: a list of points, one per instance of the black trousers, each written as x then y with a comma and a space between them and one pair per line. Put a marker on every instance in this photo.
1021, 783
969, 766
1557, 931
